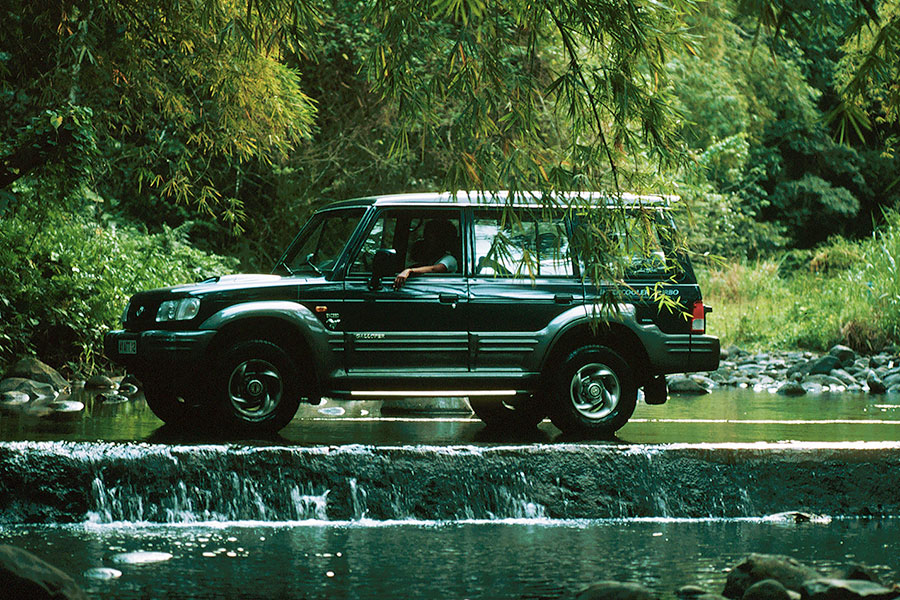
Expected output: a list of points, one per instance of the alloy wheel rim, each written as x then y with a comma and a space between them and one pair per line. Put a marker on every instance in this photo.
595, 391
255, 389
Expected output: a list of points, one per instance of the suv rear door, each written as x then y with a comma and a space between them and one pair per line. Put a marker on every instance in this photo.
522, 276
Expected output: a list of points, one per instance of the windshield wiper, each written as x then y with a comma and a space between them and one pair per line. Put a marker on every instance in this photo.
281, 263
308, 261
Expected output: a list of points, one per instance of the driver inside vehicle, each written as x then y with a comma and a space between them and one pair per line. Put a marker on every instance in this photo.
431, 254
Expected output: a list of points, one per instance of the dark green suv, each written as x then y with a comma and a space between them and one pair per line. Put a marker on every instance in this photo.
420, 295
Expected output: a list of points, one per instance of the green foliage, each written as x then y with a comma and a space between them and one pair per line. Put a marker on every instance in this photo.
846, 292
64, 281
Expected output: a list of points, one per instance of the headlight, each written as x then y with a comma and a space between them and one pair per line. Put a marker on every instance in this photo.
178, 310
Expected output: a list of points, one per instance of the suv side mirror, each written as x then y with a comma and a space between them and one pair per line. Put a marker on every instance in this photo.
384, 263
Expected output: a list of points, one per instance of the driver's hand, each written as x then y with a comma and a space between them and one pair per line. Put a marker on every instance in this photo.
401, 278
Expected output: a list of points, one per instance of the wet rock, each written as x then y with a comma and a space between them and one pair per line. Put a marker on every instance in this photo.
682, 384
767, 589
813, 388
102, 573
13, 399
732, 352
876, 386
689, 592
65, 409
845, 589
844, 377
35, 370
113, 398
792, 388
824, 380
758, 567
24, 575
843, 353
34, 389
861, 573
824, 365
128, 389
891, 380
614, 590
100, 382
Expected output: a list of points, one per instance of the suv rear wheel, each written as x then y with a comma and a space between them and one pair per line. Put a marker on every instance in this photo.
257, 386
594, 393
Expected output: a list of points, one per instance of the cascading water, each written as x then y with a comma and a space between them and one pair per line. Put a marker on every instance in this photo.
106, 483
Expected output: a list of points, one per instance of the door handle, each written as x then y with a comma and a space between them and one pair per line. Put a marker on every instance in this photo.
448, 298
563, 298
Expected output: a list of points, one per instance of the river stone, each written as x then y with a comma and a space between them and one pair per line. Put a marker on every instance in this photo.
876, 386
792, 388
14, 398
682, 384
65, 409
767, 589
99, 382
845, 377
845, 589
757, 567
859, 572
24, 575
689, 592
614, 590
891, 380
34, 389
824, 380
843, 353
35, 370
824, 365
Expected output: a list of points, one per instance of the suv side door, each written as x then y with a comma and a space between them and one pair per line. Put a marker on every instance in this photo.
418, 328
523, 276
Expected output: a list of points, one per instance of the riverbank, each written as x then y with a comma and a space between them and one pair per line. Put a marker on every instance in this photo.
797, 373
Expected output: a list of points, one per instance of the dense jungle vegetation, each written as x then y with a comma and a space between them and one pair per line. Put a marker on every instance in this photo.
149, 143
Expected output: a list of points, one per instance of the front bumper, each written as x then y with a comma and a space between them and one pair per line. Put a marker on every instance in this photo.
157, 349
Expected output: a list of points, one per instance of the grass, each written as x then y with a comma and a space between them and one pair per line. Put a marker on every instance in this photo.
845, 292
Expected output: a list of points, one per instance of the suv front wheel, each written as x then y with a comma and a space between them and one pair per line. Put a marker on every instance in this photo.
258, 386
594, 393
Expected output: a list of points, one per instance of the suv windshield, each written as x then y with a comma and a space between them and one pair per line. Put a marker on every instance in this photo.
318, 246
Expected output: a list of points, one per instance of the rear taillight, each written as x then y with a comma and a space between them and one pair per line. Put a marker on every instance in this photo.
698, 317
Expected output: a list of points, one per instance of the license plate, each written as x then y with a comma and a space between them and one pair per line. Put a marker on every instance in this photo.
127, 346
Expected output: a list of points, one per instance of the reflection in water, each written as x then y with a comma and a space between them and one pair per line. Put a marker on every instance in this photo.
723, 416
434, 560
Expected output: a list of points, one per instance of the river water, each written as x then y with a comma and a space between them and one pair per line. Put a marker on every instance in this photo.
353, 505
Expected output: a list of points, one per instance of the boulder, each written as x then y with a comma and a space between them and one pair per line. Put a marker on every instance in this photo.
892, 380
844, 376
33, 369
861, 573
100, 382
614, 590
824, 365
844, 354
682, 384
12, 399
824, 380
792, 388
876, 385
24, 575
767, 589
845, 589
34, 389
757, 567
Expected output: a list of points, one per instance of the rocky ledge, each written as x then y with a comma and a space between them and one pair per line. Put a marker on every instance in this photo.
797, 373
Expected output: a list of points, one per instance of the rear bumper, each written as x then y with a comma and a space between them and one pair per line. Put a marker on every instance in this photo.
684, 353
157, 349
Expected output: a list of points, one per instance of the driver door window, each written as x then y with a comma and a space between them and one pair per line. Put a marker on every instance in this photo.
419, 237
